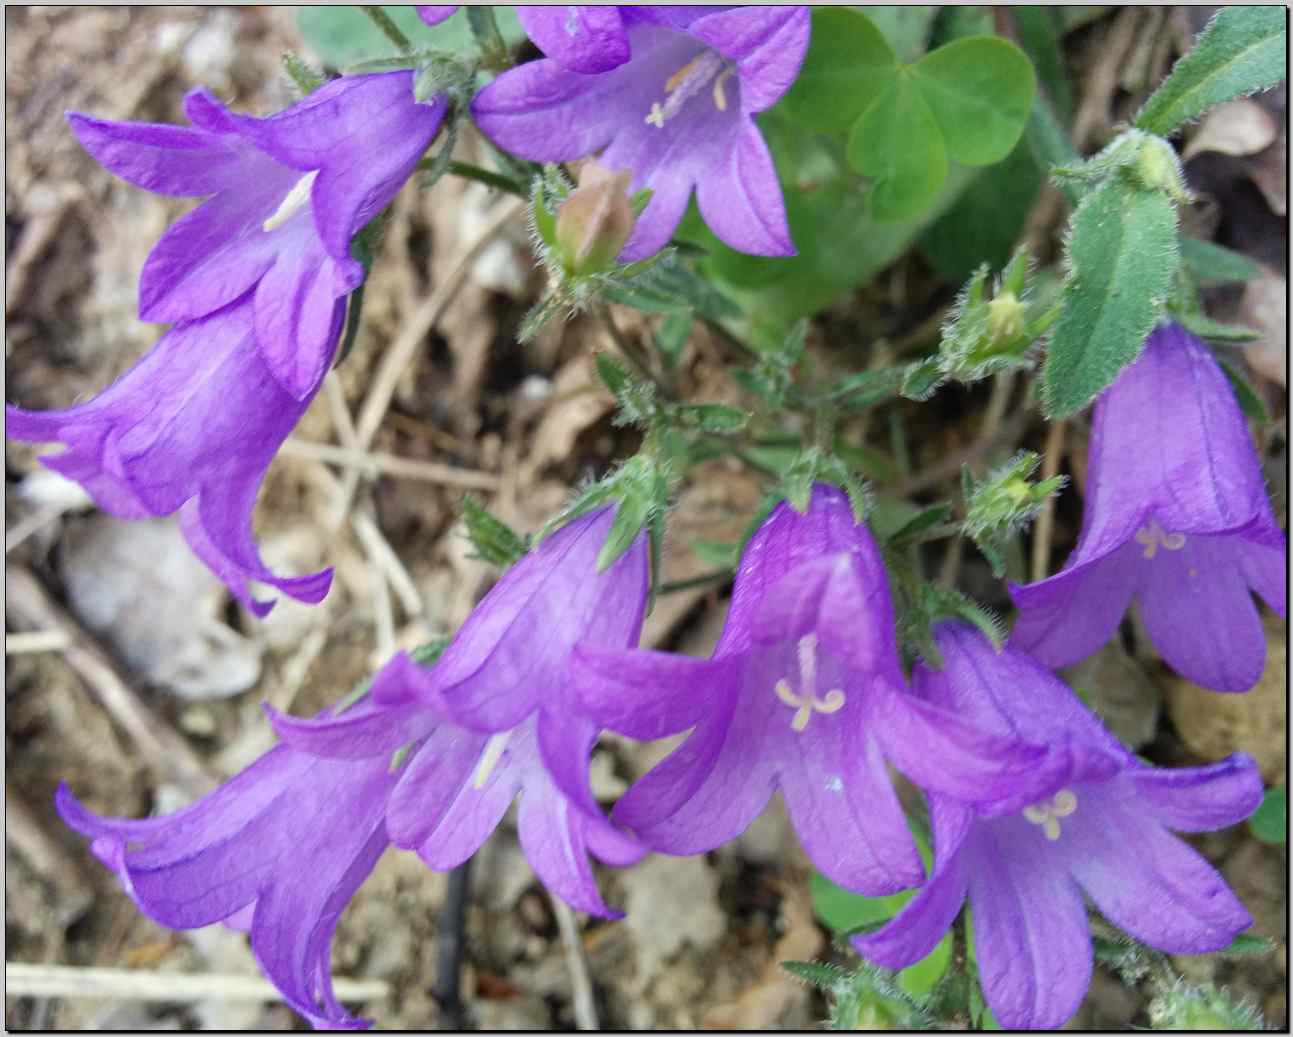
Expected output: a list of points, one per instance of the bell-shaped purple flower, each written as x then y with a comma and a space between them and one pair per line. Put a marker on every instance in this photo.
494, 719
190, 428
679, 113
1176, 516
278, 851
288, 193
1106, 832
804, 694
434, 14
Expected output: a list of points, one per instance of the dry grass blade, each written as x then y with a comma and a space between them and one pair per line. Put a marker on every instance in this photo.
23, 980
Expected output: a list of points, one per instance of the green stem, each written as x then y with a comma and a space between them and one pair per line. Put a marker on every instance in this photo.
389, 29
490, 41
486, 176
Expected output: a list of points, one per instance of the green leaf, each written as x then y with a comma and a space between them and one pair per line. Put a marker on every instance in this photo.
1269, 822
819, 974
898, 144
1122, 259
1249, 945
848, 65
1207, 261
614, 375
1242, 50
925, 520
672, 334
1253, 406
343, 36
630, 516
905, 27
711, 417
1203, 326
494, 541
980, 90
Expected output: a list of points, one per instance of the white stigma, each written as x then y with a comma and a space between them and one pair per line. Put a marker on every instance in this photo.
1153, 536
489, 758
295, 198
687, 82
806, 702
1049, 812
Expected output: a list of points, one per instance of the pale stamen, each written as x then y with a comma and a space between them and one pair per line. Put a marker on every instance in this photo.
1049, 812
489, 758
686, 83
296, 197
806, 703
1153, 536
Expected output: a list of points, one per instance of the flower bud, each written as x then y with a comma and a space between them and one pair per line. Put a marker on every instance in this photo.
595, 221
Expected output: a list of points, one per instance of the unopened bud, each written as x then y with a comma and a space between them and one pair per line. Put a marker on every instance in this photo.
595, 221
1006, 319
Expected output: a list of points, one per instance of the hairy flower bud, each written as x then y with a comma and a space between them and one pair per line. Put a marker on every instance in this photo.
595, 221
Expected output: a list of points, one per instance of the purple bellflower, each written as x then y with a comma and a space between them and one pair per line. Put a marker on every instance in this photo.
288, 193
1106, 832
190, 428
804, 694
278, 851
494, 718
679, 113
1176, 516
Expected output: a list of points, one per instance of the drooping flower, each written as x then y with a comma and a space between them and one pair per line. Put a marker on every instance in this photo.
679, 113
278, 851
288, 193
494, 718
190, 428
1106, 832
804, 694
1176, 516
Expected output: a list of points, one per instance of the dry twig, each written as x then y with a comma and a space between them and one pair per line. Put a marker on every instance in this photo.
23, 980
581, 983
1046, 517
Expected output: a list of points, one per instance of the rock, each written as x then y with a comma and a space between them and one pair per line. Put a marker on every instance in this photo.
671, 901
140, 586
1214, 725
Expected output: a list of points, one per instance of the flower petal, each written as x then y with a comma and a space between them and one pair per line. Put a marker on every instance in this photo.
741, 200
1066, 618
553, 840
1199, 613
1200, 799
704, 793
581, 39
846, 813
1030, 936
512, 654
299, 312
1148, 882
434, 14
1265, 567
915, 931
768, 45
171, 160
648, 695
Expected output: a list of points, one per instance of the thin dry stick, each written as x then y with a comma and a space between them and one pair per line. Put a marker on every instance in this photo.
397, 359
36, 641
373, 464
1046, 517
581, 983
24, 528
25, 835
381, 552
163, 750
23, 980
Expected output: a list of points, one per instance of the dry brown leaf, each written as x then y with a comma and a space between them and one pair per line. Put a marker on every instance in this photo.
1239, 128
